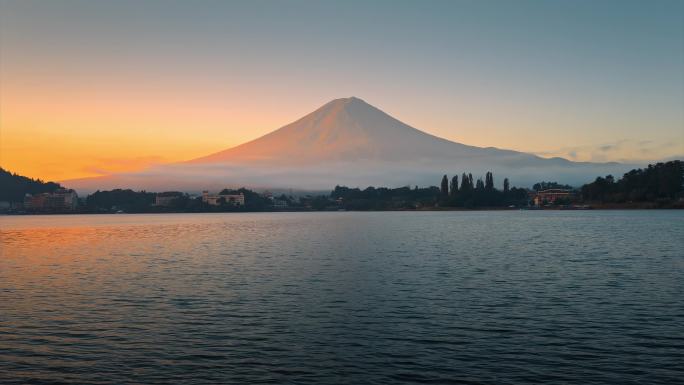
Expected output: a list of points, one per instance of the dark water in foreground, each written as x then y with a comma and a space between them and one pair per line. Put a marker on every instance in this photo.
348, 298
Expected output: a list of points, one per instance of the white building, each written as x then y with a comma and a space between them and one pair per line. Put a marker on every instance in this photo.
230, 199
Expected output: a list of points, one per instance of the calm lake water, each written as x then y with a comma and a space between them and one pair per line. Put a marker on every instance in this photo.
507, 297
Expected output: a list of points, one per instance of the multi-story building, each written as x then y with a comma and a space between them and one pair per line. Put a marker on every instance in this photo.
279, 203
230, 199
166, 198
35, 201
552, 195
61, 199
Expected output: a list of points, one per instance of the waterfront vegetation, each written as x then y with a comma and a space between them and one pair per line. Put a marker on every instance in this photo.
660, 183
13, 187
657, 186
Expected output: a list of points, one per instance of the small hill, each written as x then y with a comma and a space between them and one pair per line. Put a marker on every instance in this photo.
15, 186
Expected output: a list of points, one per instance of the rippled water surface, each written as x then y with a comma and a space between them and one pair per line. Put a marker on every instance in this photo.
587, 297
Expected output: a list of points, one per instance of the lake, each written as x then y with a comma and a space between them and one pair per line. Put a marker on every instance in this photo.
501, 297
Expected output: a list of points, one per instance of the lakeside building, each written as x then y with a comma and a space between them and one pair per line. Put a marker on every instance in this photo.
277, 203
216, 199
61, 199
553, 195
8, 206
166, 198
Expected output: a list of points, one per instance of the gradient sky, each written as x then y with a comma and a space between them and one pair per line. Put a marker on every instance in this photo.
90, 87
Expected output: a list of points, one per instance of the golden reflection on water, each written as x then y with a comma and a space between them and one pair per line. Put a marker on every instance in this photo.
60, 266
59, 257
178, 295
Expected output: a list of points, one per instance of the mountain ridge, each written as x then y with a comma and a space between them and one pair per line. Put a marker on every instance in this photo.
348, 141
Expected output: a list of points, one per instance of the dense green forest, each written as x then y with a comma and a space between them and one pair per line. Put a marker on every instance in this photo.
15, 187
661, 182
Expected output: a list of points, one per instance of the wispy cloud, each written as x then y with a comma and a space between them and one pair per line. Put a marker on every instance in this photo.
624, 150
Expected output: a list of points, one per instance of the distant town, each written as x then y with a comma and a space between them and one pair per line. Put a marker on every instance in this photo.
657, 186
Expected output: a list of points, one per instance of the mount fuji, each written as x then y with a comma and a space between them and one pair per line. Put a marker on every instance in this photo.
348, 142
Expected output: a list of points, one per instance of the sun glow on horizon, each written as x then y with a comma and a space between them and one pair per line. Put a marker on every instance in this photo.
88, 90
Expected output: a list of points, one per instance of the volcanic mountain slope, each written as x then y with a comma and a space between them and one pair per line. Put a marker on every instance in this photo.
347, 141
345, 130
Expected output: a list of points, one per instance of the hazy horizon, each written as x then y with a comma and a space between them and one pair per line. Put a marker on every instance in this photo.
341, 192
88, 88
353, 143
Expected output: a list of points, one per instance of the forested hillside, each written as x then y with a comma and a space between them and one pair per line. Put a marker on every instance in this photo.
13, 186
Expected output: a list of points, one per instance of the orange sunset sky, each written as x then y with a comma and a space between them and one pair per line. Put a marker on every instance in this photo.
90, 88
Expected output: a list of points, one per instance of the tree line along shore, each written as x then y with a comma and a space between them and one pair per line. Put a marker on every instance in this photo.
659, 185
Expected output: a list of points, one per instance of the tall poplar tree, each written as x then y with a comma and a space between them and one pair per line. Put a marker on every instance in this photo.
445, 186
454, 185
464, 182
489, 181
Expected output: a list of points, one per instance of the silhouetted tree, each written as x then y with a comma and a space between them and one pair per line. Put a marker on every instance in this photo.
126, 200
489, 181
550, 185
483, 193
661, 183
385, 198
464, 182
445, 187
454, 186
13, 187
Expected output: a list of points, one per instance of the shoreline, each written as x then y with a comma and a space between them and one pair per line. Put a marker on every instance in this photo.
601, 207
